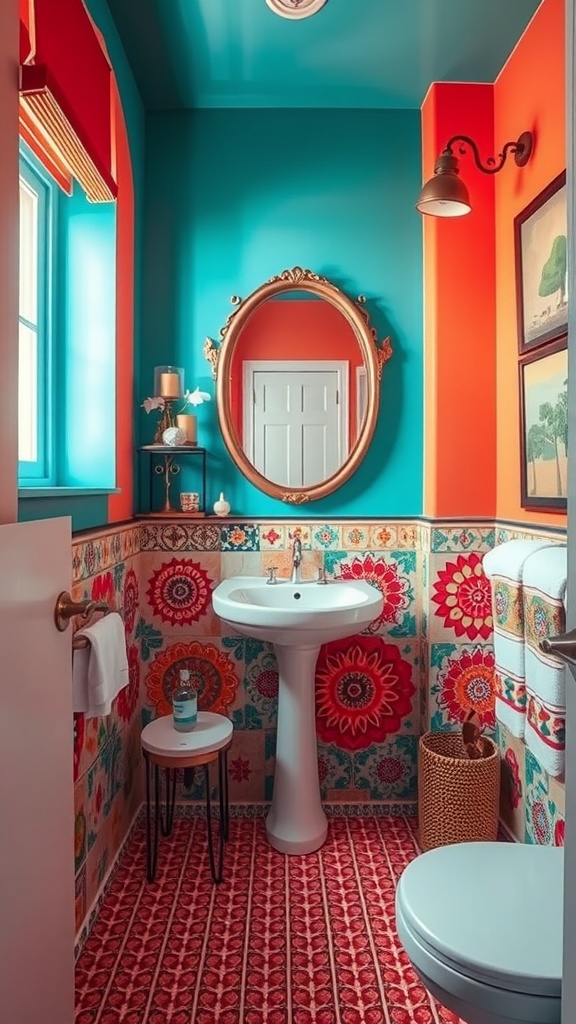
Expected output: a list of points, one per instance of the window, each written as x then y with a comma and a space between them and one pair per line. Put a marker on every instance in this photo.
37, 212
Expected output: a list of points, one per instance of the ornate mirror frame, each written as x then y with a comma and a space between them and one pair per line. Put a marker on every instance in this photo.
220, 357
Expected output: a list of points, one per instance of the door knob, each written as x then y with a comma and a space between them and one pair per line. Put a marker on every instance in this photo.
563, 646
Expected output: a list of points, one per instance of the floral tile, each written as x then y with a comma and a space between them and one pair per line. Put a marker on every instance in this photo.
512, 782
462, 538
356, 537
364, 691
176, 592
80, 831
460, 599
394, 574
273, 537
239, 537
544, 824
178, 536
281, 561
388, 770
461, 679
261, 687
408, 535
301, 530
326, 537
334, 768
246, 767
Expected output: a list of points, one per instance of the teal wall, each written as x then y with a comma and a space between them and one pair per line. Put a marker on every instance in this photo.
233, 197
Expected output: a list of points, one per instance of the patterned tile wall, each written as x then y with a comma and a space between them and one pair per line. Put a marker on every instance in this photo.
458, 662
422, 665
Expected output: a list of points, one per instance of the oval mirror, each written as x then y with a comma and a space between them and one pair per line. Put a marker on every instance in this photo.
298, 373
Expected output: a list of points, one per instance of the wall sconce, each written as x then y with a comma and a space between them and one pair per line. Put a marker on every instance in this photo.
446, 195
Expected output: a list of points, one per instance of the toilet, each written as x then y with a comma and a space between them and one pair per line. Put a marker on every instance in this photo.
482, 926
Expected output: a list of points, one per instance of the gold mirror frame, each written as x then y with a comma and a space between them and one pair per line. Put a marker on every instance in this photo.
220, 357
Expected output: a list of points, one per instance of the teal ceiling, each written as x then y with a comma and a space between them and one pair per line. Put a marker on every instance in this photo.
352, 53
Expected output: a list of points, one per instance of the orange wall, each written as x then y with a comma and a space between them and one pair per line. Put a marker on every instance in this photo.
529, 94
460, 316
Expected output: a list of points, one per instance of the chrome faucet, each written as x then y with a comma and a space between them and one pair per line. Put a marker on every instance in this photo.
296, 576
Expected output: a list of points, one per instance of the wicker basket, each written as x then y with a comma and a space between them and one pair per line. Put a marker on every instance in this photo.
457, 797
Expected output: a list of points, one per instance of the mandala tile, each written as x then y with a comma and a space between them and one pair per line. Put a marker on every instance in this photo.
179, 537
539, 810
462, 538
273, 536
364, 689
130, 601
211, 672
239, 537
394, 576
334, 768
179, 591
301, 530
388, 770
246, 767
408, 536
462, 596
462, 680
326, 537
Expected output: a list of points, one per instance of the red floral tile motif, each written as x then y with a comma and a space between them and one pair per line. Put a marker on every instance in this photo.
211, 673
103, 588
468, 684
239, 770
512, 774
128, 697
540, 823
130, 600
383, 575
78, 741
559, 828
463, 597
179, 592
363, 690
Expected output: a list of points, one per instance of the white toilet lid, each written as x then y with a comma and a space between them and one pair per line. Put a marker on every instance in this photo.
492, 911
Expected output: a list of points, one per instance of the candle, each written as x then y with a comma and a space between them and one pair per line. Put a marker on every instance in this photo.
170, 385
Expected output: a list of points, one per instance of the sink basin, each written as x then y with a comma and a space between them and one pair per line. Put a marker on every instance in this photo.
297, 618
305, 614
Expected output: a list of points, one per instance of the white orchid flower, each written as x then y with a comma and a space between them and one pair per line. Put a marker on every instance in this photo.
196, 397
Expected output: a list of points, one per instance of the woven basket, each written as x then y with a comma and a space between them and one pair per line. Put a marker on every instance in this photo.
458, 797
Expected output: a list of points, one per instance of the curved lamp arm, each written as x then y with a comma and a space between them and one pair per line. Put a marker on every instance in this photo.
522, 149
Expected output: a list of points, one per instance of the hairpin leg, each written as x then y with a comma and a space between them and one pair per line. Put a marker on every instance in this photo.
151, 837
170, 781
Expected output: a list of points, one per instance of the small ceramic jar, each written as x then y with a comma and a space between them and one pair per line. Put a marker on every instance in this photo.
221, 507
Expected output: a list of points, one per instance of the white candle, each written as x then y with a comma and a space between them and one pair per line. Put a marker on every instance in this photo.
170, 385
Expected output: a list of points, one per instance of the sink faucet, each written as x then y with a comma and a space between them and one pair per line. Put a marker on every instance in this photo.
296, 561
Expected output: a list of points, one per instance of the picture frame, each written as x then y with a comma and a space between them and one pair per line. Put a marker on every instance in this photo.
540, 232
544, 427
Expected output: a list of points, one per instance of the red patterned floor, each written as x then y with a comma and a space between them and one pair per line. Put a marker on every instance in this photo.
283, 940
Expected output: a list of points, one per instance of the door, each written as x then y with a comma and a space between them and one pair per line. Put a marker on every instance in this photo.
295, 428
36, 778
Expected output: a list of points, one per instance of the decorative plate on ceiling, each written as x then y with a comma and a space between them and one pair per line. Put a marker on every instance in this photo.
295, 8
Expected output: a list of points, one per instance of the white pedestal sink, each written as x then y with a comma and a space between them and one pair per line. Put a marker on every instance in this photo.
297, 618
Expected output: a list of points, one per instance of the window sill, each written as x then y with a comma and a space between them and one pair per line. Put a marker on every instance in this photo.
64, 492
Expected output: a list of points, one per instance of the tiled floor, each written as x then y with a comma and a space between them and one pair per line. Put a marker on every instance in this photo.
283, 940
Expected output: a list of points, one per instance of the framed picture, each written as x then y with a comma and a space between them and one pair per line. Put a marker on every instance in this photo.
540, 248
544, 427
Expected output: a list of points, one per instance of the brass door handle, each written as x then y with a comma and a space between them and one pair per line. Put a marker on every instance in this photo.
563, 646
66, 609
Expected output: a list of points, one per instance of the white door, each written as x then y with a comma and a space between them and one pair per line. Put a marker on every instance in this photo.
295, 430
36, 778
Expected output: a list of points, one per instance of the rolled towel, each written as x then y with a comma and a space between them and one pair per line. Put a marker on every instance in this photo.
545, 576
545, 735
100, 670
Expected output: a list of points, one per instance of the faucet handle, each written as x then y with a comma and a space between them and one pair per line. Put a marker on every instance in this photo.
322, 575
272, 574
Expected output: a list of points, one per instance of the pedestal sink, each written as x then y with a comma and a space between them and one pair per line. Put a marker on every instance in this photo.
297, 618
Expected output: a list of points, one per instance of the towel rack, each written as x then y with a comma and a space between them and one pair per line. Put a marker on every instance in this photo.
67, 609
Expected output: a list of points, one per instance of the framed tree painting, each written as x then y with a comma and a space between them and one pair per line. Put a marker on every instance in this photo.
544, 427
541, 267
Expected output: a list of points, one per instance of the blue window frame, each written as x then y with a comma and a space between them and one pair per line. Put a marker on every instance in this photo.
38, 211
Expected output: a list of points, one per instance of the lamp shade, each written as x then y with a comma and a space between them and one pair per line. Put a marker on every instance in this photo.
444, 195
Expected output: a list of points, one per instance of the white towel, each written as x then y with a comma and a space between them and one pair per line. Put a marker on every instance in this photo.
100, 670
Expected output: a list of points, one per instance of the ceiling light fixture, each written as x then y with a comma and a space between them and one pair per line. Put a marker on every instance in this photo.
446, 195
295, 8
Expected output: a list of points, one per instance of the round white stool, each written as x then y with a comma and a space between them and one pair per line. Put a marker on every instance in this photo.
164, 747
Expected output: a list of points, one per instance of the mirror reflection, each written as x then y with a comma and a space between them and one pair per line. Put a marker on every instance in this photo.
297, 389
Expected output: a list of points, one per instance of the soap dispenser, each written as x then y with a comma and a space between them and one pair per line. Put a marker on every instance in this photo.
221, 507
